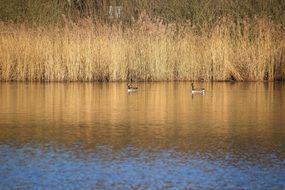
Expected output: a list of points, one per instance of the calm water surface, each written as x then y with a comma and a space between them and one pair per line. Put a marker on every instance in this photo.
98, 136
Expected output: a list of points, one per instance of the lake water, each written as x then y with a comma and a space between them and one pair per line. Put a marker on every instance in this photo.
98, 136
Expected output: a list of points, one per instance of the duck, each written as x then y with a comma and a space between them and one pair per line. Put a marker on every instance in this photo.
197, 90
132, 88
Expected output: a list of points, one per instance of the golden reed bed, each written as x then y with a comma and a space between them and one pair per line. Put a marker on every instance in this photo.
251, 50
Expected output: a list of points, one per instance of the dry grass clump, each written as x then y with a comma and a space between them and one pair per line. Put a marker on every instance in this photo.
148, 50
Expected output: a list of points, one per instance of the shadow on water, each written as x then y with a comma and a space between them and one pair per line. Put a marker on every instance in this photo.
96, 135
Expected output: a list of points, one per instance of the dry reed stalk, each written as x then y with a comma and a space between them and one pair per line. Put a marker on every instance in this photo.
146, 51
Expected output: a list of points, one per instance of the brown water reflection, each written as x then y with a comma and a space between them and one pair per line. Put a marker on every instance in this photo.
231, 118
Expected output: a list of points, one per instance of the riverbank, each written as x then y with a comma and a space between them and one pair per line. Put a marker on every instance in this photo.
148, 50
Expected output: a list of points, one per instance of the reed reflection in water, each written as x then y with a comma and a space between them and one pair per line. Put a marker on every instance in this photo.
162, 135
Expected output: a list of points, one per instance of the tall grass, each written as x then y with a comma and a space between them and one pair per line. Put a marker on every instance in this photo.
148, 50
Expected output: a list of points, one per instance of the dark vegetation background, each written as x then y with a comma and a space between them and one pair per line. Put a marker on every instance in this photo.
199, 12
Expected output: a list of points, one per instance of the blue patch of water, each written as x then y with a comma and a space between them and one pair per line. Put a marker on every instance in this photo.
53, 167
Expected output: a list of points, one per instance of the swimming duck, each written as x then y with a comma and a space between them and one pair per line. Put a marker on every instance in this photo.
197, 90
132, 88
